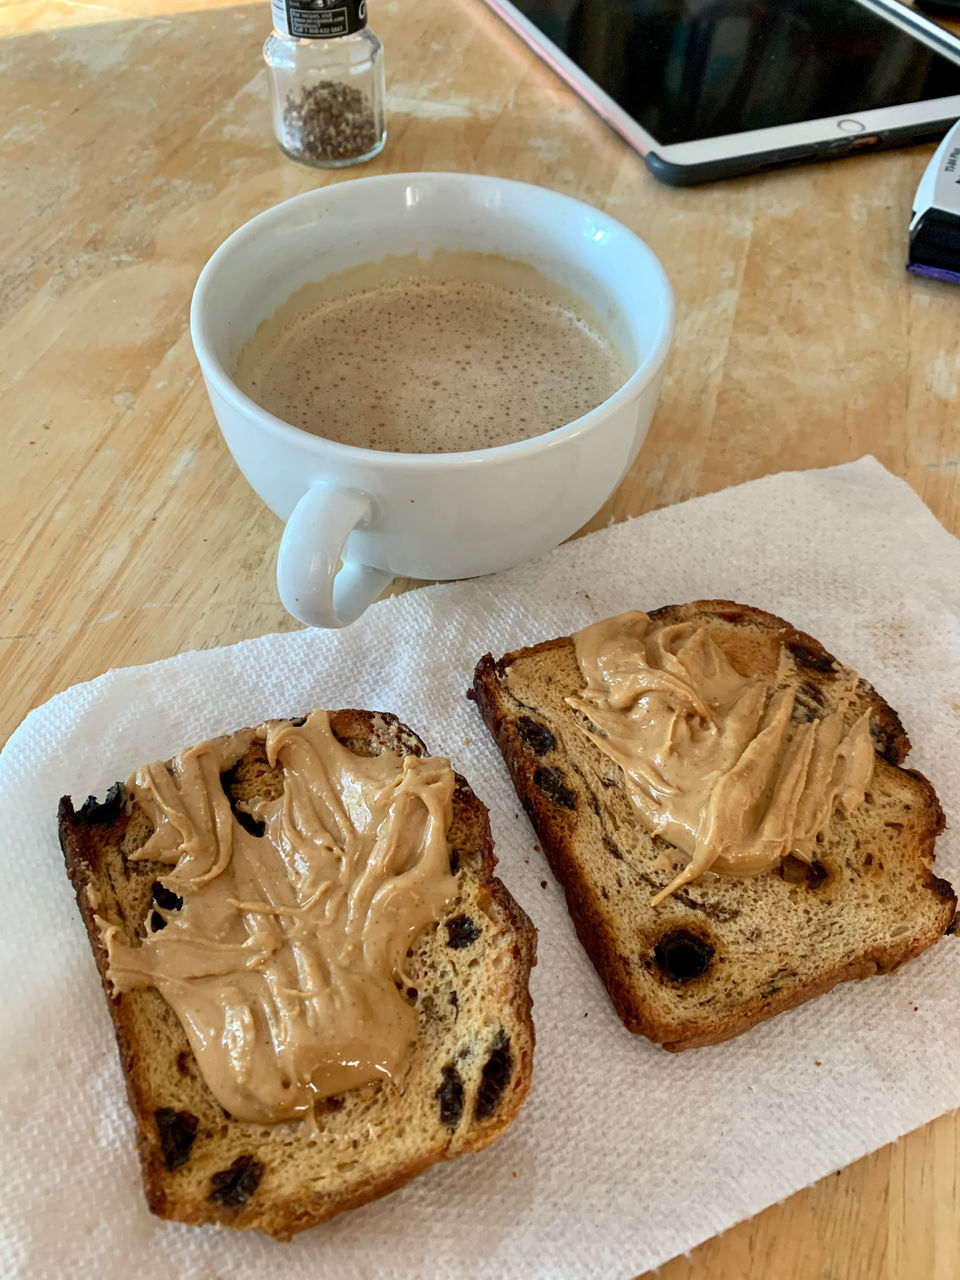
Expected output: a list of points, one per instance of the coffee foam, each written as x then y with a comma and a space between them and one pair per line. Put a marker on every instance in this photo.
462, 352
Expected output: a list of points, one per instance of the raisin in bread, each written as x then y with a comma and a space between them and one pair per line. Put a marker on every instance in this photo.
466, 1077
722, 953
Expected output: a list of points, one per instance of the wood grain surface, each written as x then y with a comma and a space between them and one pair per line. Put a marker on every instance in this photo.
134, 136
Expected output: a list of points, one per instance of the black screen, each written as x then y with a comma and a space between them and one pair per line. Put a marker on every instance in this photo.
691, 69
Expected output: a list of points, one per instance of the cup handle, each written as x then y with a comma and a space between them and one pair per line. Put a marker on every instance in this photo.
312, 587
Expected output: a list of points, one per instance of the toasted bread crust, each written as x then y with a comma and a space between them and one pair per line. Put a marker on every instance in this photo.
599, 925
90, 842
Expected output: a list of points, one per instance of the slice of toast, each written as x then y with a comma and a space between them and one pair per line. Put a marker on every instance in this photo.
466, 1077
722, 953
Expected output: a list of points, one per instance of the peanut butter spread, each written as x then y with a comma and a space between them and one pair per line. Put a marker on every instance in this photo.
714, 761
283, 962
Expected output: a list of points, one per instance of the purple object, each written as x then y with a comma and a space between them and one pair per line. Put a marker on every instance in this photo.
934, 273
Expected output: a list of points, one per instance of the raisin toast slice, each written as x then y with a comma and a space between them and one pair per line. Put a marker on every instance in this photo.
466, 1077
722, 953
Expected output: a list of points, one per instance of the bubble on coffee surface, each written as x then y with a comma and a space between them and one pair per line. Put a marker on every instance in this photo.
421, 365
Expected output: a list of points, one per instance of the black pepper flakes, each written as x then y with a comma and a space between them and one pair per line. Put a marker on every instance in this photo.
327, 84
329, 121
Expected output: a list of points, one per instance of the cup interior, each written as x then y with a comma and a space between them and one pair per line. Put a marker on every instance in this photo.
367, 220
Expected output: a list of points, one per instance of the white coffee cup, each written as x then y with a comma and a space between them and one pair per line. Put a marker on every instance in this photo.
356, 518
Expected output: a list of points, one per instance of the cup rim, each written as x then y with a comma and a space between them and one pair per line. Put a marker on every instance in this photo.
217, 376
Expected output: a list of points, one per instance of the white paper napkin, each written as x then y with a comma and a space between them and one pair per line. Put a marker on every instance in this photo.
624, 1155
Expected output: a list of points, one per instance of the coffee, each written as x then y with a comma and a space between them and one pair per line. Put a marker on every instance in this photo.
465, 351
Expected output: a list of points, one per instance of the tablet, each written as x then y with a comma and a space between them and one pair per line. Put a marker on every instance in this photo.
707, 89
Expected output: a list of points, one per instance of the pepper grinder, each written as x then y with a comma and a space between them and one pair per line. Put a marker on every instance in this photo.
326, 82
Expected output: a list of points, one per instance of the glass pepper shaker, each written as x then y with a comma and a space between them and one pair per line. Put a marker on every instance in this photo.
326, 82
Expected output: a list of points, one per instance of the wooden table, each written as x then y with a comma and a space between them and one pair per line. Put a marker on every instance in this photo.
135, 137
